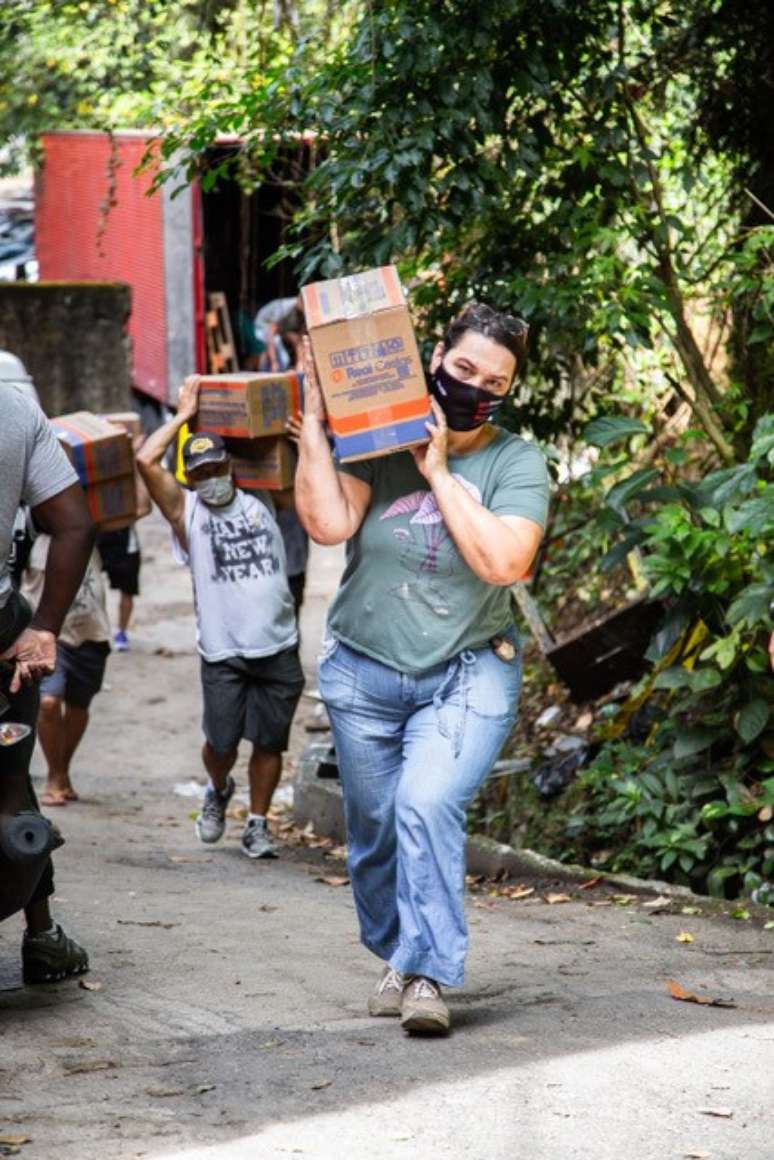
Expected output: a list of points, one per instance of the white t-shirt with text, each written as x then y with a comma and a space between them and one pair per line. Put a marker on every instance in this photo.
237, 559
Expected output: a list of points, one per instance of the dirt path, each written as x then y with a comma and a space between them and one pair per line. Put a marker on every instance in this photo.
229, 1020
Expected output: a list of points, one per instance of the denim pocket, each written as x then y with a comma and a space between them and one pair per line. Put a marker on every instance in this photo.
494, 684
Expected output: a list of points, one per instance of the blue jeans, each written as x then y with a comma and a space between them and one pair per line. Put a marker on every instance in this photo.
412, 752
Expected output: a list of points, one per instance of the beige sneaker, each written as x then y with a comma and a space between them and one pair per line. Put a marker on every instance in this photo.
423, 1008
387, 995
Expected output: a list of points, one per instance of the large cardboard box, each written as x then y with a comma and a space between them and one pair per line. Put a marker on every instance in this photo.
130, 422
368, 363
113, 502
102, 456
97, 449
247, 405
262, 463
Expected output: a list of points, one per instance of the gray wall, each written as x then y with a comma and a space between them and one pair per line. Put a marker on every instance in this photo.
71, 337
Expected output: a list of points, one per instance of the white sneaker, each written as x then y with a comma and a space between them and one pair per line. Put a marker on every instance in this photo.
257, 842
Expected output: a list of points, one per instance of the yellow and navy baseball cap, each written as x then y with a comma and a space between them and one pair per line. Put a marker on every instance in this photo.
203, 448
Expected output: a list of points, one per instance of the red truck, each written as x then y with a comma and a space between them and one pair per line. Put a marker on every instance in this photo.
95, 221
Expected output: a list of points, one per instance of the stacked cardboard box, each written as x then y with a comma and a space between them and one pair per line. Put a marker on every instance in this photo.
368, 363
247, 405
102, 456
250, 411
130, 422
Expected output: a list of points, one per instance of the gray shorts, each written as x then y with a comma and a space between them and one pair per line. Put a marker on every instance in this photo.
252, 698
78, 674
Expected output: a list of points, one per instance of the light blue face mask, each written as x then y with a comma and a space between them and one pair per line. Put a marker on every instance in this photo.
218, 491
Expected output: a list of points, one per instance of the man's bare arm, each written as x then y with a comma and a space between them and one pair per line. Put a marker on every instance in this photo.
65, 517
162, 485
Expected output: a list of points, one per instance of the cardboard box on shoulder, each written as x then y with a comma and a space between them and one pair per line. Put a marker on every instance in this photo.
96, 448
247, 405
129, 420
262, 464
368, 363
102, 456
113, 502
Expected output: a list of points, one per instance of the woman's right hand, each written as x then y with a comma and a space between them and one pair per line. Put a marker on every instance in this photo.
314, 407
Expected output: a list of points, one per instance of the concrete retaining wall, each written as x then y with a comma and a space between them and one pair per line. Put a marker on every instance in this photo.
71, 336
319, 800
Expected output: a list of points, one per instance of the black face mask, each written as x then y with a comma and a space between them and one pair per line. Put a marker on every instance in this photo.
465, 407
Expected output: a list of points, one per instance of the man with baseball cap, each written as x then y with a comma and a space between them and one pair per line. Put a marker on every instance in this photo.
246, 629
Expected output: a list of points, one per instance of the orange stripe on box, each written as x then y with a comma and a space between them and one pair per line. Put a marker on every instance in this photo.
85, 448
392, 285
381, 416
311, 300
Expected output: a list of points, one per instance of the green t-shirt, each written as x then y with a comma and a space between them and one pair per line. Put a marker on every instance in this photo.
407, 598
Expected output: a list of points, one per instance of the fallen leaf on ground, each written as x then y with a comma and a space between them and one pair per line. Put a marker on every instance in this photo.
324, 1083
592, 882
181, 857
88, 1065
601, 902
154, 922
690, 910
679, 992
697, 1156
332, 880
657, 903
273, 1043
623, 899
15, 1141
517, 891
164, 1093
724, 1113
473, 879
205, 1087
267, 909
740, 912
164, 652
90, 984
553, 899
481, 905
684, 937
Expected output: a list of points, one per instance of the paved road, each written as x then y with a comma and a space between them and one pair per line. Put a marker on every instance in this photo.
230, 1019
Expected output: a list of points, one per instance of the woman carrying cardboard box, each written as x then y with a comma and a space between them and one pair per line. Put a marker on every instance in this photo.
421, 670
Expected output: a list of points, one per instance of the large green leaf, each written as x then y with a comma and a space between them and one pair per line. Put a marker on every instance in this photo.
751, 606
620, 493
693, 739
752, 719
755, 516
609, 429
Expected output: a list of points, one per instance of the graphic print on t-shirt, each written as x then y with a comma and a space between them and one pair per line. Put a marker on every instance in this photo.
426, 550
242, 547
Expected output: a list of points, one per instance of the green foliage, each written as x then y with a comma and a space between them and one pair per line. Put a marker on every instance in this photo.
695, 801
111, 64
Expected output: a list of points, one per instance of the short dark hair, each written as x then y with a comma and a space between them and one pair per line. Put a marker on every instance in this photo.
505, 329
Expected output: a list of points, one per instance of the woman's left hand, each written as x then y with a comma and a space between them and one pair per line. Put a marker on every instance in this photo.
431, 458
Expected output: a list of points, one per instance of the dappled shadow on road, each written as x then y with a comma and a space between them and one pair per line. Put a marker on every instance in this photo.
140, 1076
